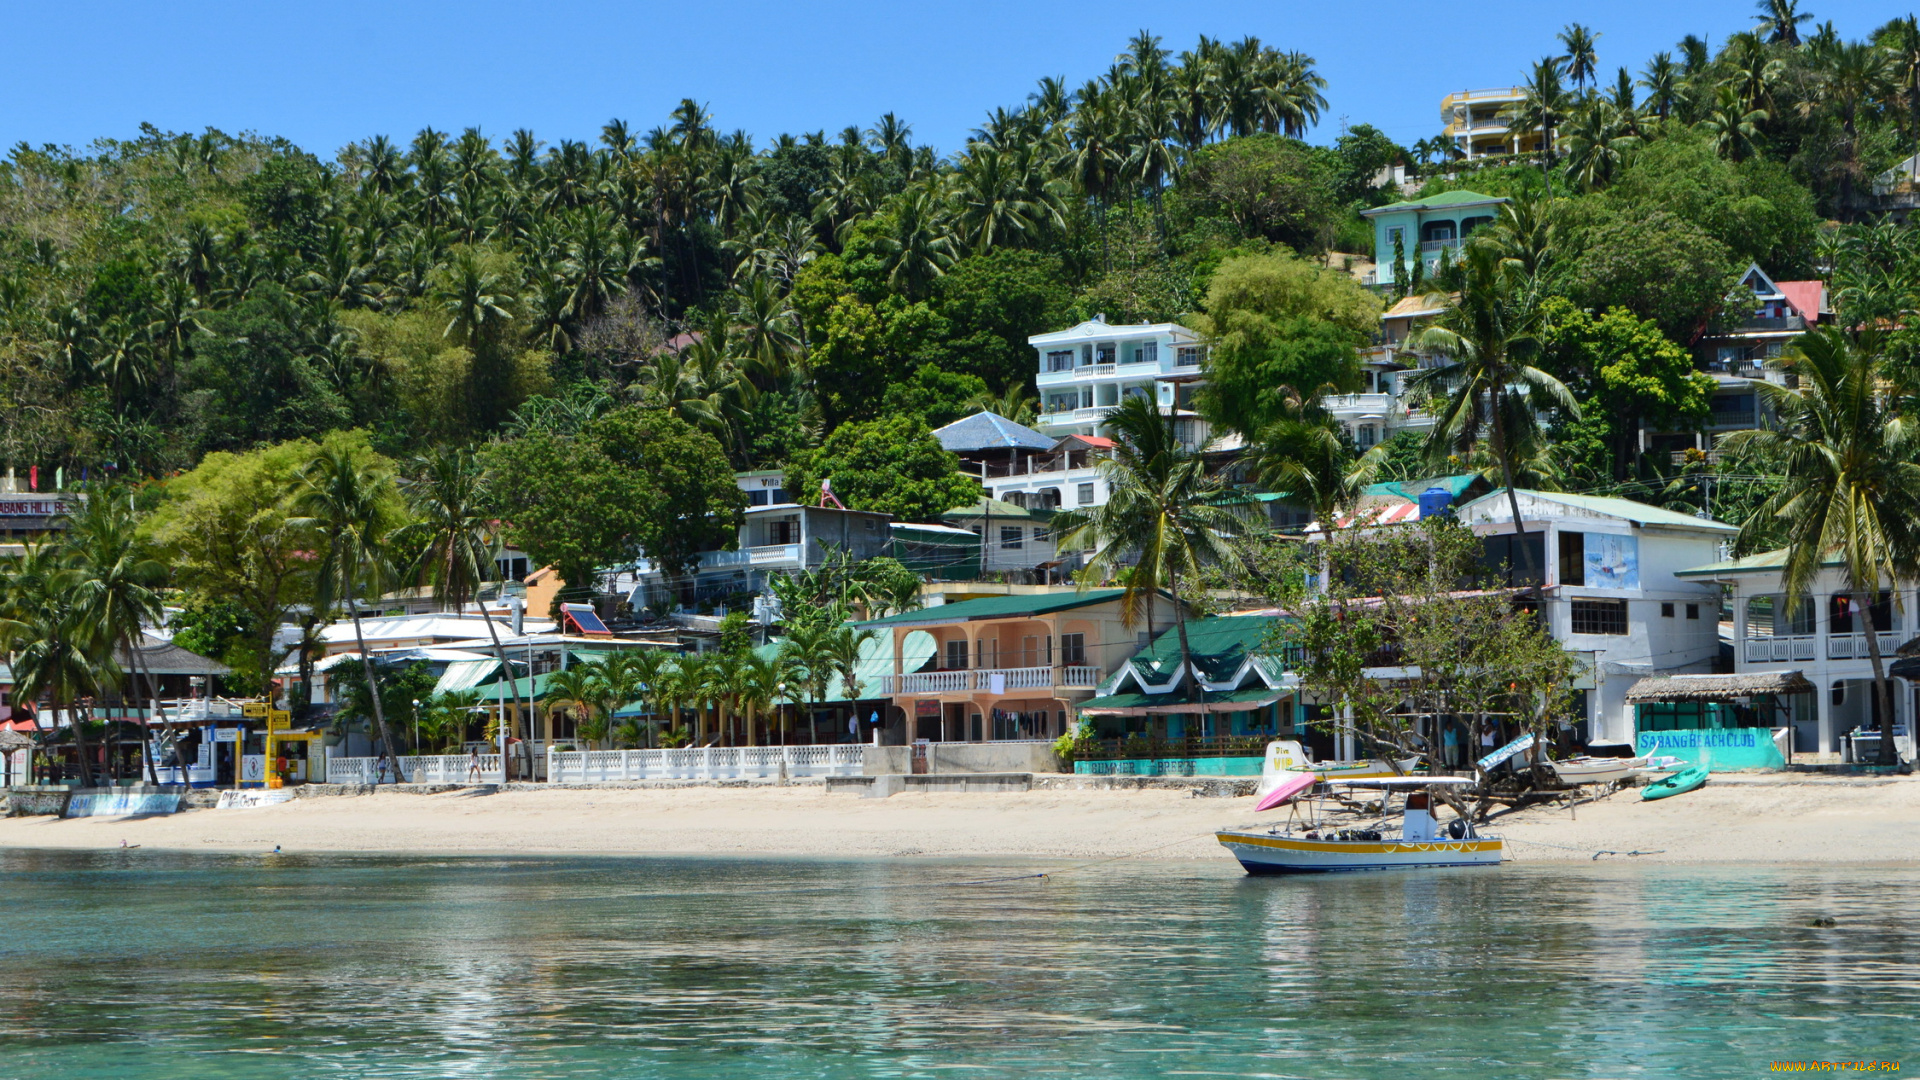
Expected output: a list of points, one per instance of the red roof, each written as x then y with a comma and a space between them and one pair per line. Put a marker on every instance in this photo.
1804, 296
1097, 441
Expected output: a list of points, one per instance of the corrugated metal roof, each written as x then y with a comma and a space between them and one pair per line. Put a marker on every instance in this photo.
464, 675
990, 431
1626, 509
997, 607
1173, 704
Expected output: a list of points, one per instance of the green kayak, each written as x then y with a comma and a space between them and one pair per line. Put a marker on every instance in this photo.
1675, 783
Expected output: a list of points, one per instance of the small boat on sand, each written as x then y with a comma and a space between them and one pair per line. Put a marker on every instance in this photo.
1286, 757
1678, 783
1294, 847
1596, 770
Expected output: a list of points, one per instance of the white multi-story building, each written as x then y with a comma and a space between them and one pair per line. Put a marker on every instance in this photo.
1090, 368
1612, 588
1823, 636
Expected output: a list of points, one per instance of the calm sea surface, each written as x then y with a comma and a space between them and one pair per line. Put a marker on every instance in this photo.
144, 964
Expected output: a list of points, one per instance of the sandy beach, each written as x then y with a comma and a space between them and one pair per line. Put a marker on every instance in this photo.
1731, 820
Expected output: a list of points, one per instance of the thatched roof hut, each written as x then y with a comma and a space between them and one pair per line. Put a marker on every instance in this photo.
1718, 687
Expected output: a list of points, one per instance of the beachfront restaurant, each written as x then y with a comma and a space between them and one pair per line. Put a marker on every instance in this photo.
1725, 722
1156, 715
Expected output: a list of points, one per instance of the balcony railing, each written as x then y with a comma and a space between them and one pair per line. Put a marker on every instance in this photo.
1428, 247
1769, 650
1740, 420
1854, 646
989, 680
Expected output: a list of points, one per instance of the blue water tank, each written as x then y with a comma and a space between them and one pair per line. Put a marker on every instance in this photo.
1435, 500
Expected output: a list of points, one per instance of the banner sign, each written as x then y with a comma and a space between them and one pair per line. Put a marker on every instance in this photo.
1519, 745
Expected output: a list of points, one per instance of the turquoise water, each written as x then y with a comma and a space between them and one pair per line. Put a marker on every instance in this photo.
144, 964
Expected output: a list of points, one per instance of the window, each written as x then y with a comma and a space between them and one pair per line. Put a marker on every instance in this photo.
1366, 435
1573, 560
1844, 614
1150, 353
1085, 495
1010, 536
1396, 235
956, 655
1693, 611
757, 498
1666, 609
1599, 616
1436, 232
1187, 356
1073, 650
1086, 398
1511, 563
1039, 534
783, 531
1060, 361
1103, 354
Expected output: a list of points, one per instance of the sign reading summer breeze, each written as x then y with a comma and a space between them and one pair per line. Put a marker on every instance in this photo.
1516, 746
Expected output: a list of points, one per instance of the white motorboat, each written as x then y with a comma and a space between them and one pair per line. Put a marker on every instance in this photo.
1596, 770
1296, 848
1286, 757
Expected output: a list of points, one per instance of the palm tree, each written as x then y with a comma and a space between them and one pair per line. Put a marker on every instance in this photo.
1733, 126
1015, 403
1580, 59
918, 249
1850, 493
456, 543
573, 692
764, 683
343, 501
843, 652
54, 653
807, 652
116, 583
1780, 20
1304, 458
1541, 110
1902, 42
1487, 339
1164, 513
1849, 77
1661, 78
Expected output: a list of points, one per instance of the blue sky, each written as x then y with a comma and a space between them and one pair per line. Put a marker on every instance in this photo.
325, 75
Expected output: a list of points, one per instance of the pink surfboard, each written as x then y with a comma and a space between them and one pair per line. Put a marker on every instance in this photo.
1291, 784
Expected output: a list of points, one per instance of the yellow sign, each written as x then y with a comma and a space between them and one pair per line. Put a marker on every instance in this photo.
279, 719
253, 709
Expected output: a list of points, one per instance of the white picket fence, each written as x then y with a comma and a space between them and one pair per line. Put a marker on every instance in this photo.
426, 769
705, 763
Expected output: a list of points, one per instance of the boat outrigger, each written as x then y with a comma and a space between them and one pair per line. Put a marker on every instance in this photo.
1307, 847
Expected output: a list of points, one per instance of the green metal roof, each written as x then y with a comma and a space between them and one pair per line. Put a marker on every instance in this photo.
491, 692
997, 607
1221, 646
1443, 201
1178, 703
1767, 562
1411, 490
1637, 512
984, 507
464, 675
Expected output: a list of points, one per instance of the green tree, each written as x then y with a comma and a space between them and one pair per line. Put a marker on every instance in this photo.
116, 583
1278, 327
631, 480
1629, 376
893, 466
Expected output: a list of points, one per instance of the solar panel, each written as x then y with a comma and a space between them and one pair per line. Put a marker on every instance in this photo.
585, 619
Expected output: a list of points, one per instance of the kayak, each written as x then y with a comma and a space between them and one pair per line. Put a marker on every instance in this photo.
1678, 783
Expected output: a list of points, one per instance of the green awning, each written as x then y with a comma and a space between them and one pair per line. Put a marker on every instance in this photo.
1176, 703
464, 675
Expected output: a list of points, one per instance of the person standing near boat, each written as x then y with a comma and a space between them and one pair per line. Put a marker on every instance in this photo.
1450, 743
